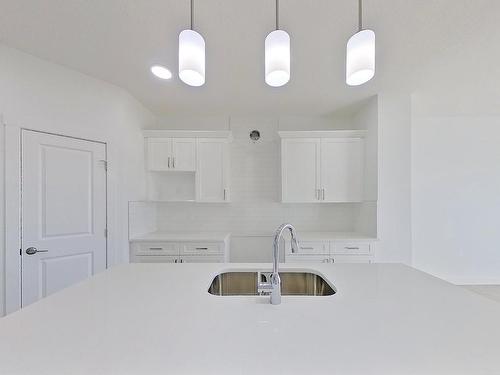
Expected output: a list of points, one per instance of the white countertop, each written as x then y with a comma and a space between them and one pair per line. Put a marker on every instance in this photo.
181, 236
324, 236
159, 319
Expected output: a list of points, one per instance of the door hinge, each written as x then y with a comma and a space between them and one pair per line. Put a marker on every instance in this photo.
104, 164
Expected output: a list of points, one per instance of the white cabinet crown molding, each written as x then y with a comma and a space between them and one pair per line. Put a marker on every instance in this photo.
161, 133
322, 134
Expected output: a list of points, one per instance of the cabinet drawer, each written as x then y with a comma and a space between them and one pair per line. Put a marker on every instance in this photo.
307, 259
201, 248
311, 247
359, 248
153, 248
154, 259
351, 259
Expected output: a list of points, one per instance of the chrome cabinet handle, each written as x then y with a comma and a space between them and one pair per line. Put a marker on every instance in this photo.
225, 194
34, 250
173, 162
156, 248
175, 260
202, 248
333, 260
181, 260
168, 162
351, 248
318, 194
323, 190
307, 248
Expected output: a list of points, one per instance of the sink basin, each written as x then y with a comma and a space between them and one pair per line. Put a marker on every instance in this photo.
292, 284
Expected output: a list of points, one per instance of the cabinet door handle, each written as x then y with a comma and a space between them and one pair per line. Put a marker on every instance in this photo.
333, 260
224, 194
202, 248
323, 194
181, 260
306, 248
173, 162
156, 248
318, 194
168, 163
351, 248
175, 261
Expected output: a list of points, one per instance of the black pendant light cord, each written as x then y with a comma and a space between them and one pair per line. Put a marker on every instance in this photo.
192, 12
277, 15
360, 15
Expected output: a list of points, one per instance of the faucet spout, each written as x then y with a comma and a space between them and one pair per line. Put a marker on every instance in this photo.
275, 277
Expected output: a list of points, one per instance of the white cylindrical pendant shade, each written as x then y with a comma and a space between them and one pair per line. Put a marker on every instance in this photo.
360, 60
191, 58
277, 58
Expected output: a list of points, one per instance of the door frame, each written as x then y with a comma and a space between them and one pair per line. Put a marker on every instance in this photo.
13, 218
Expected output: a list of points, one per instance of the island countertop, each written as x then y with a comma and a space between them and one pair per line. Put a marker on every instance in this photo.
159, 319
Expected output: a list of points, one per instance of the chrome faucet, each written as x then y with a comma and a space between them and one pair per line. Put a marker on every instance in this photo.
275, 277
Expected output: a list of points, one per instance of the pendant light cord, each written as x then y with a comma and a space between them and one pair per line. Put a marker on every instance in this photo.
192, 13
360, 15
277, 15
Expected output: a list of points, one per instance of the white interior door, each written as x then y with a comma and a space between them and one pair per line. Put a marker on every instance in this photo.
300, 169
342, 169
63, 212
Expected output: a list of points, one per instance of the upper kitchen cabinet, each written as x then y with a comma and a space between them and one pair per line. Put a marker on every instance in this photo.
322, 166
212, 177
171, 154
202, 156
300, 159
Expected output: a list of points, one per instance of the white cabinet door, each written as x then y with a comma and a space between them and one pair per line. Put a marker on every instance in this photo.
342, 169
212, 170
183, 154
158, 153
300, 169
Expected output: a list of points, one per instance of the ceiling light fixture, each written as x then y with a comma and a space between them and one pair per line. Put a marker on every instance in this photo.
360, 57
191, 55
161, 72
277, 55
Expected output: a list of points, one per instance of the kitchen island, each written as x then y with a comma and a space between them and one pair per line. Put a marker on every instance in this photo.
159, 319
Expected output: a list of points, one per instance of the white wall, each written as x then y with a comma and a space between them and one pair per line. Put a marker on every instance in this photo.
255, 211
394, 178
456, 162
39, 95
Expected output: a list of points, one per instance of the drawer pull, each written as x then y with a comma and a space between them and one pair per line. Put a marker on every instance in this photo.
156, 248
202, 248
307, 248
351, 248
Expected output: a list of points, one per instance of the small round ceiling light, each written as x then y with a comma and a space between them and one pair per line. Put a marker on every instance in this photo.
161, 72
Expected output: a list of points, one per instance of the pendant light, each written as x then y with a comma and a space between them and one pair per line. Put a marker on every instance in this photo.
360, 58
277, 55
191, 56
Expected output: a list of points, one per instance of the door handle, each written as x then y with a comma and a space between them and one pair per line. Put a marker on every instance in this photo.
34, 250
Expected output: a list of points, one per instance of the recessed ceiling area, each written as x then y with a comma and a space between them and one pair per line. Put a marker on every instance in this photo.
119, 40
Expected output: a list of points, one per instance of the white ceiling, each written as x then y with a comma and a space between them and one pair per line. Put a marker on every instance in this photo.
118, 40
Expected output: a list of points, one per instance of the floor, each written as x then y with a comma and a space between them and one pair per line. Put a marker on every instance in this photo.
488, 291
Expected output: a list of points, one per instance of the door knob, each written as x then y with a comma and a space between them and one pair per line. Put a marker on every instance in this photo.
34, 250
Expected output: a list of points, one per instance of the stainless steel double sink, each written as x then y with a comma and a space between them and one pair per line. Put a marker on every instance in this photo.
243, 283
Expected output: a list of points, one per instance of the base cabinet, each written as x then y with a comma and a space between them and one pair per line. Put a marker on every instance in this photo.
179, 252
331, 251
